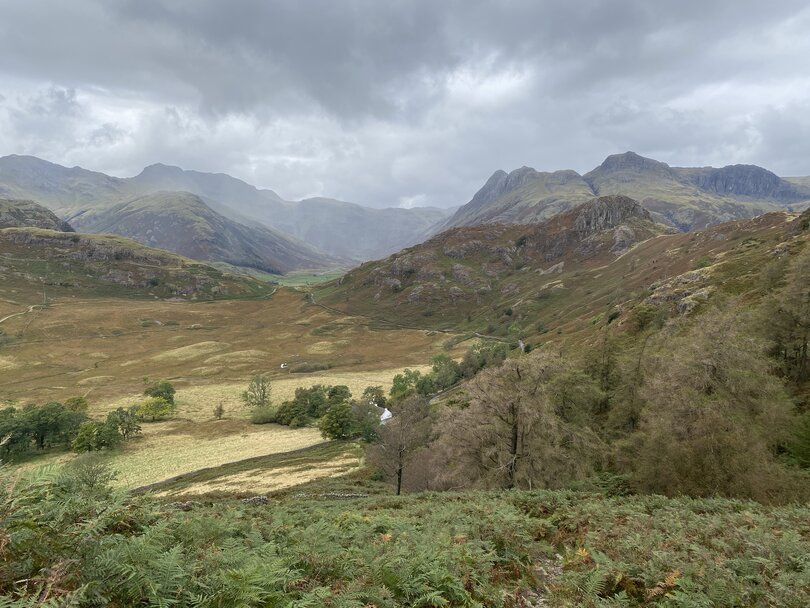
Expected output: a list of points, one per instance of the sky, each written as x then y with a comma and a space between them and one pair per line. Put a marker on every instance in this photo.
403, 103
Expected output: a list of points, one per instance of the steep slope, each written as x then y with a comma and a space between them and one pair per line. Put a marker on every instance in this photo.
687, 198
473, 271
522, 196
182, 223
18, 213
342, 229
86, 265
555, 280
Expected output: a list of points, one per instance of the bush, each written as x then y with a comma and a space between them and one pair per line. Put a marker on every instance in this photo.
264, 414
162, 389
76, 404
154, 409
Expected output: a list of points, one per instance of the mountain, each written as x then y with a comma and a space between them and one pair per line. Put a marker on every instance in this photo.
343, 229
17, 213
83, 264
184, 224
472, 271
686, 198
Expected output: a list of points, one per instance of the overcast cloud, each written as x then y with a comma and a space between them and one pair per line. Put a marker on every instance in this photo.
389, 103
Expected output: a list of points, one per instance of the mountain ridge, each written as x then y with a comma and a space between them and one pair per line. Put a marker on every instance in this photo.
684, 197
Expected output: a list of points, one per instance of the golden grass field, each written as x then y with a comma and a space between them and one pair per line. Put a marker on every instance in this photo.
104, 349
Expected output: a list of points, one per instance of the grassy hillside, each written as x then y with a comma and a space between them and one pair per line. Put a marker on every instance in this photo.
18, 213
70, 265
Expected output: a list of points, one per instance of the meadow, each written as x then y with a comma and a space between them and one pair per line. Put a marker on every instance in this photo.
105, 349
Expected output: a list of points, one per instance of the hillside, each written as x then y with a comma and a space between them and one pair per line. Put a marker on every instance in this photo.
686, 198
549, 281
182, 223
17, 213
475, 271
32, 259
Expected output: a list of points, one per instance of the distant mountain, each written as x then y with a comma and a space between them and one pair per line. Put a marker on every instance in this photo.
687, 198
183, 223
472, 271
16, 213
346, 230
341, 230
84, 264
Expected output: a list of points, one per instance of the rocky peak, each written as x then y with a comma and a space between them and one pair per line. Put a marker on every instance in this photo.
608, 212
631, 161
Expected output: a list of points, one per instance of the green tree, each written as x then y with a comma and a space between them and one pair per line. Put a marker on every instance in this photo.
76, 404
375, 395
125, 421
94, 436
162, 389
51, 424
338, 422
446, 371
366, 420
258, 392
155, 409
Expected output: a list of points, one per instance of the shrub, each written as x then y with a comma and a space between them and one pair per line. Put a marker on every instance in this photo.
263, 414
155, 409
76, 404
219, 411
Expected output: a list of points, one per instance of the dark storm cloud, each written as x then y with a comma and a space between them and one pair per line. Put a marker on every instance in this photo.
415, 102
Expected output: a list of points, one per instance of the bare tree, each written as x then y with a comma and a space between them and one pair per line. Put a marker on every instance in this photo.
402, 436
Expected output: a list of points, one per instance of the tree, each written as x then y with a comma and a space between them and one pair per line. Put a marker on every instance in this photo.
219, 411
446, 371
337, 422
402, 437
258, 392
800, 446
76, 404
162, 389
375, 395
94, 436
155, 409
125, 421
510, 435
50, 424
786, 317
404, 384
365, 420
714, 415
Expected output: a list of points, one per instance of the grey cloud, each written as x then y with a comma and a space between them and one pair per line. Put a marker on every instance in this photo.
387, 103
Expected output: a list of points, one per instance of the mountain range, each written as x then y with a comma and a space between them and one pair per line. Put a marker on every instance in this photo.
685, 198
217, 218
256, 227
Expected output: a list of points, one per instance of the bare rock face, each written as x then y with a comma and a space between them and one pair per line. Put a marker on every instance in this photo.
608, 212
746, 180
